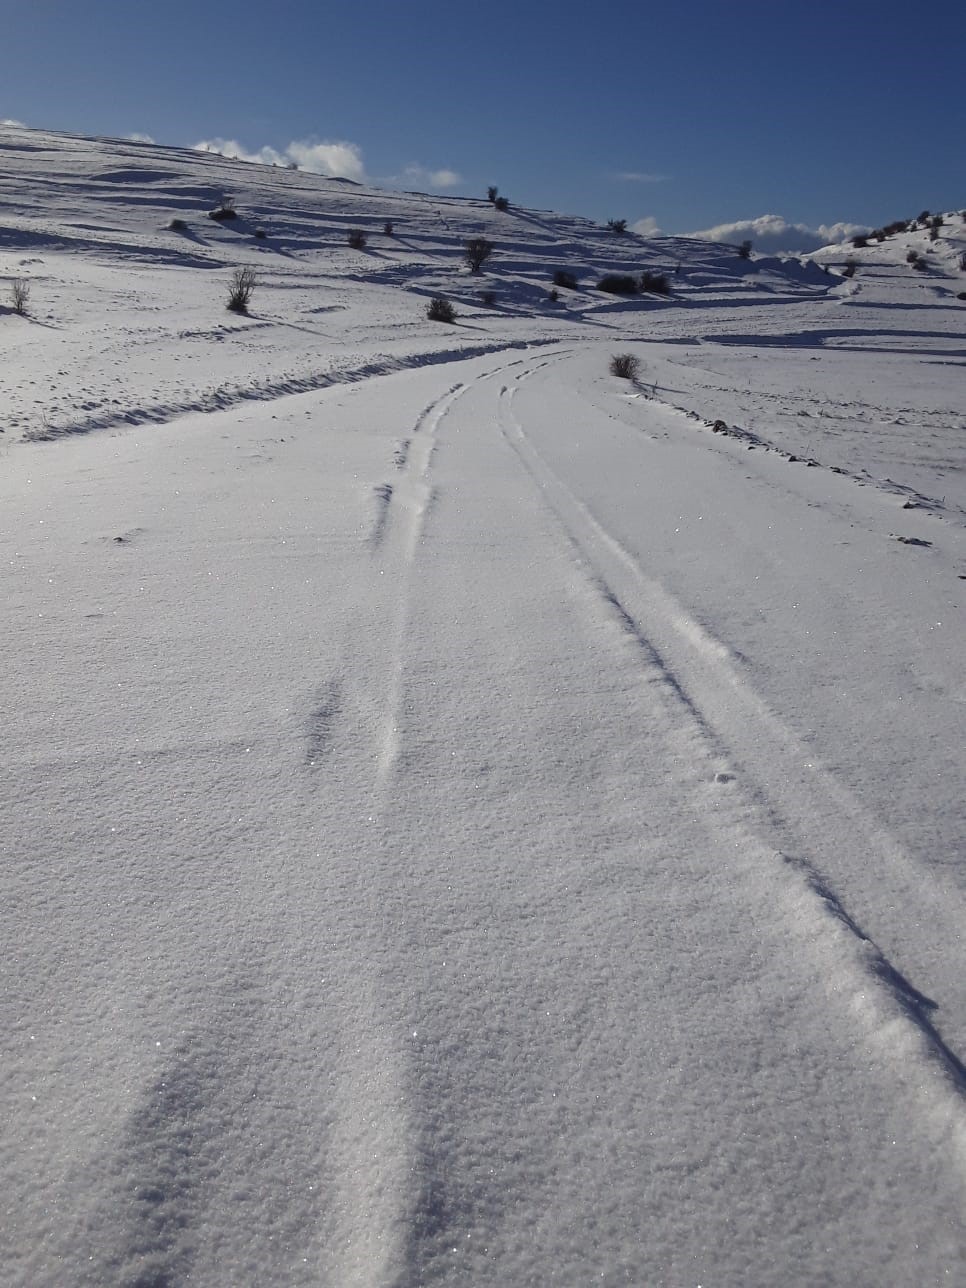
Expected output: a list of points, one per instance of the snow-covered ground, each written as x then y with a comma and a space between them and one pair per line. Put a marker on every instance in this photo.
469, 819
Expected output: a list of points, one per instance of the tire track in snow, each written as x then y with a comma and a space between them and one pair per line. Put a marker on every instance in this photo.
407, 503
778, 787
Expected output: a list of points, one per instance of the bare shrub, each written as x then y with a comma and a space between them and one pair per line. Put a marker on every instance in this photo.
357, 239
240, 288
440, 309
562, 278
617, 225
502, 203
625, 365
491, 192
744, 250
553, 296
225, 211
912, 256
19, 295
860, 241
177, 226
387, 228
476, 251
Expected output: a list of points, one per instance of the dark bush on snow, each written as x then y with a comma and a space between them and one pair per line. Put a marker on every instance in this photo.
912, 256
177, 226
240, 288
617, 284
260, 234
617, 225
850, 266
625, 365
225, 211
860, 242
475, 251
19, 296
440, 310
491, 192
553, 296
502, 203
655, 283
744, 250
356, 238
387, 228
562, 278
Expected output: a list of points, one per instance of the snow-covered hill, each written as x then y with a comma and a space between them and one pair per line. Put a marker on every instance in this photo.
470, 819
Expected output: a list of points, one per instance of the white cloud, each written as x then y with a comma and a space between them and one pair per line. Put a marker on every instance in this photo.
646, 227
638, 176
417, 176
8, 120
337, 160
774, 233
139, 138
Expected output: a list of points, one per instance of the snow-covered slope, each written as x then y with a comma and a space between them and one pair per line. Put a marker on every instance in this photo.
469, 819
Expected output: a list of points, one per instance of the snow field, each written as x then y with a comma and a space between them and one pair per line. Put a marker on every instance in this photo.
467, 821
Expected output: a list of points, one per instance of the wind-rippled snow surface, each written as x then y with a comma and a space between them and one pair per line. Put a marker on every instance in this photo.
469, 819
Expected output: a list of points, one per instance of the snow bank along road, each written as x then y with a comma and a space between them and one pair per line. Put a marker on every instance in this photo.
476, 826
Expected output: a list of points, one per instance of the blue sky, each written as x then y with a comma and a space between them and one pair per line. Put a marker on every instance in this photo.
687, 115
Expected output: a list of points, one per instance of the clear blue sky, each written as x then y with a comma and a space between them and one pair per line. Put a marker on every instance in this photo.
817, 111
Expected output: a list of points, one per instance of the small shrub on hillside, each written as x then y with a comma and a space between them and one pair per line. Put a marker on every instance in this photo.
921, 265
19, 295
744, 250
225, 211
617, 225
924, 217
933, 233
260, 234
240, 288
850, 266
491, 192
961, 295
440, 310
502, 203
356, 238
655, 283
476, 251
912, 256
177, 226
937, 221
387, 228
860, 241
625, 365
553, 296
618, 284
562, 278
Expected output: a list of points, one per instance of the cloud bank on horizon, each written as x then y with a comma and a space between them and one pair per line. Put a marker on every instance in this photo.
332, 159
774, 233
767, 233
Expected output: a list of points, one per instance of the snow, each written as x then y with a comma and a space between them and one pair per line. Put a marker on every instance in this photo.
469, 819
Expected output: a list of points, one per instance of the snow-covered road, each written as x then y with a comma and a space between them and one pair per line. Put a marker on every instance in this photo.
464, 837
